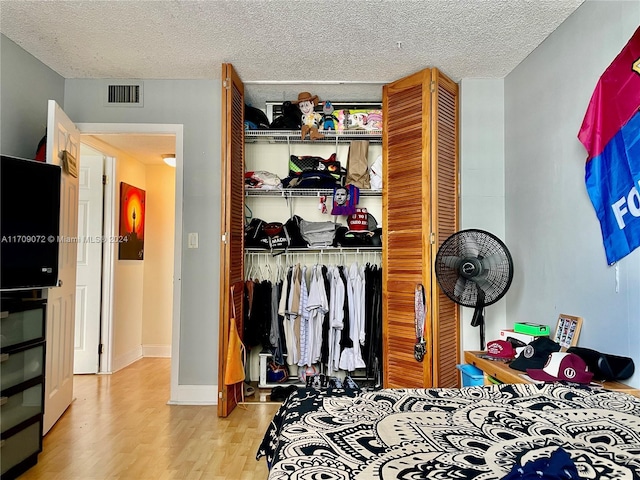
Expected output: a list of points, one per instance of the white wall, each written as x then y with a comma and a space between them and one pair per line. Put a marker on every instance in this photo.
482, 196
196, 105
158, 265
128, 280
551, 226
27, 85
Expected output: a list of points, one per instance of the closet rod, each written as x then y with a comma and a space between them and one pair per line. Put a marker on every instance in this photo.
314, 251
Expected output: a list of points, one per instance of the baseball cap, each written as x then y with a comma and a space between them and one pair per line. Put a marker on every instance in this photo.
501, 349
535, 354
562, 366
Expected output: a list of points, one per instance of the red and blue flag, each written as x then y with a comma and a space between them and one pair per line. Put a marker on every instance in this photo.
611, 134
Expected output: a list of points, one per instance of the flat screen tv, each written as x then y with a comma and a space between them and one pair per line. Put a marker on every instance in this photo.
29, 223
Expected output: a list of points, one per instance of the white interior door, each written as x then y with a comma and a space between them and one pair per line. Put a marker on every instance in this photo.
62, 134
89, 271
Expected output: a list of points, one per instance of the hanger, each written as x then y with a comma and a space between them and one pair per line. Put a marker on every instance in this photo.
270, 275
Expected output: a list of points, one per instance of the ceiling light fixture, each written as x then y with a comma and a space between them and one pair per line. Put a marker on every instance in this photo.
170, 159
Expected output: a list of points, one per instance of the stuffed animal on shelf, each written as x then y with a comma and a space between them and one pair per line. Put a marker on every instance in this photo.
310, 119
329, 120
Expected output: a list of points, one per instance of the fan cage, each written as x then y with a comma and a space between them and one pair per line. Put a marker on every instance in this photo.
497, 268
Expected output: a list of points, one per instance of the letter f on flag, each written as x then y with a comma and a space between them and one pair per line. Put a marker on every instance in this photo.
611, 134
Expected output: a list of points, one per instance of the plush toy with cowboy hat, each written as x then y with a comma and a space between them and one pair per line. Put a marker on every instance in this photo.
310, 119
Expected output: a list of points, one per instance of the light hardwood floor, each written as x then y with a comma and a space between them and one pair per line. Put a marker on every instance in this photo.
120, 427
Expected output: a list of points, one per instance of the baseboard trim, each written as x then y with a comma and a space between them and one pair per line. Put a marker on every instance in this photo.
195, 395
157, 351
127, 359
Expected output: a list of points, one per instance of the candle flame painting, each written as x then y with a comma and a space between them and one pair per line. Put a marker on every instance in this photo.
132, 219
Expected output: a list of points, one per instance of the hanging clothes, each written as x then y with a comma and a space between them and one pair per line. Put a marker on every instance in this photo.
336, 319
351, 356
324, 349
276, 333
264, 314
319, 314
251, 328
373, 319
345, 337
303, 314
317, 307
292, 318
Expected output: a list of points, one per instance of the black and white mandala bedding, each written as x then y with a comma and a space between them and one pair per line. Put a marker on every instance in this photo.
471, 433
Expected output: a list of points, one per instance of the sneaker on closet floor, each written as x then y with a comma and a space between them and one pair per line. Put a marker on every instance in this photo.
350, 384
249, 391
335, 382
316, 381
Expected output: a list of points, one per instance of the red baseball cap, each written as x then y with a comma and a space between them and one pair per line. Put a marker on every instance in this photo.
501, 349
562, 366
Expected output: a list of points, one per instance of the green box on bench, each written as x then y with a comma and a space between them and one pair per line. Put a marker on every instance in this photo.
531, 329
471, 375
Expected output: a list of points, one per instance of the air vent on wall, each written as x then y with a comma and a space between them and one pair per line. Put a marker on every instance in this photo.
123, 93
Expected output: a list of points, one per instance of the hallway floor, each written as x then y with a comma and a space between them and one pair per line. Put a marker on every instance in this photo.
120, 427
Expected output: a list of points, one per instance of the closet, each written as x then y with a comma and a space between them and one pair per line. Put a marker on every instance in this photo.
417, 210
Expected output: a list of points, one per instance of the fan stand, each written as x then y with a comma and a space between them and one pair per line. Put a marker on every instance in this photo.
478, 316
478, 321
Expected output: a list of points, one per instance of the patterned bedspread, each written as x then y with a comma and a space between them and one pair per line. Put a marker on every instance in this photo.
470, 433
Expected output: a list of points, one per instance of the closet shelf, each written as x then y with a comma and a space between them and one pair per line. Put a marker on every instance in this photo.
294, 136
304, 192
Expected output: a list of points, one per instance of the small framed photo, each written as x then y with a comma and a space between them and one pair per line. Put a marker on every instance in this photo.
567, 331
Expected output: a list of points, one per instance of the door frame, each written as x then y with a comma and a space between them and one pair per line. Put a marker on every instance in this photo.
110, 229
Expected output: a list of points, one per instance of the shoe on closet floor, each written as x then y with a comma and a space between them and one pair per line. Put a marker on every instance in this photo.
350, 384
249, 391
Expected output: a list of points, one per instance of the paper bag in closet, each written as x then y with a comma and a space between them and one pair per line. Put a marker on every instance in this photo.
357, 164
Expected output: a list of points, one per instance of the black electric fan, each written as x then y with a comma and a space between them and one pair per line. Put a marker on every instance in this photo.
474, 269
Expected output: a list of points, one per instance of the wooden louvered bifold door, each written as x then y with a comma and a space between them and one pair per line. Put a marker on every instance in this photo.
232, 226
406, 175
420, 210
444, 215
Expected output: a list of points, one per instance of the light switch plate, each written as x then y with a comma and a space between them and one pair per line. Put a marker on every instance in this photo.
192, 240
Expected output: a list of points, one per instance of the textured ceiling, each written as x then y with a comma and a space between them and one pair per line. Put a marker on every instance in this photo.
279, 47
320, 40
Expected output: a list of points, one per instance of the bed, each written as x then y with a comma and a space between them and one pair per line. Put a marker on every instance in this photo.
469, 433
